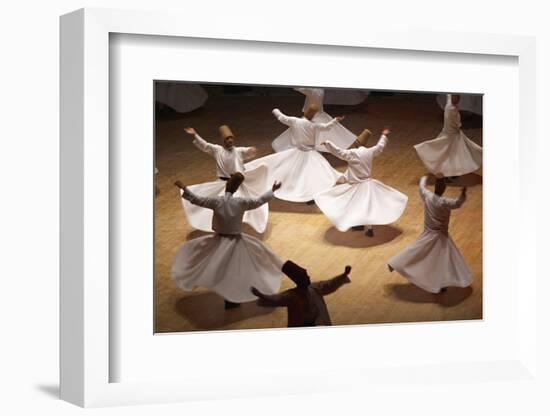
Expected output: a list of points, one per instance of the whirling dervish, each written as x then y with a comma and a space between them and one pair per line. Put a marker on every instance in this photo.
339, 135
229, 261
433, 261
304, 171
361, 200
304, 303
229, 160
451, 153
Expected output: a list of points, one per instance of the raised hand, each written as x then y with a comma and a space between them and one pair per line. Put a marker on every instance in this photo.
276, 185
179, 184
347, 270
386, 131
190, 130
340, 118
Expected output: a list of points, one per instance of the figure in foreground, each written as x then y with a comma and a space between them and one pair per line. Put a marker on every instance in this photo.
341, 136
451, 153
229, 160
361, 200
304, 303
303, 170
227, 262
433, 261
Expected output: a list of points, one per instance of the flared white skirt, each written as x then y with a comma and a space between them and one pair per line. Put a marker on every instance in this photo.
450, 154
303, 174
229, 266
254, 185
432, 263
364, 203
337, 134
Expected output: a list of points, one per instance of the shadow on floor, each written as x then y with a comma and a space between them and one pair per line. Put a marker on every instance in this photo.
411, 293
51, 390
357, 239
206, 311
279, 205
247, 229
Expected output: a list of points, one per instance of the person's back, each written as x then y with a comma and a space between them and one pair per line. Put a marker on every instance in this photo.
437, 208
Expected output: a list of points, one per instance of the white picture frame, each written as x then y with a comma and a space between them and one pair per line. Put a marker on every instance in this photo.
86, 356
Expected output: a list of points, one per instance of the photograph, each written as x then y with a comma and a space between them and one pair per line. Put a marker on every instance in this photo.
294, 206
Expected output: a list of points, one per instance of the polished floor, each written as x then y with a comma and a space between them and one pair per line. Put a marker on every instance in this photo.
302, 233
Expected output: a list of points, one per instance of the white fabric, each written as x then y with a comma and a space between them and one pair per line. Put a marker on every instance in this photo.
255, 183
345, 97
228, 161
471, 103
180, 96
451, 153
336, 132
362, 200
433, 261
229, 264
302, 170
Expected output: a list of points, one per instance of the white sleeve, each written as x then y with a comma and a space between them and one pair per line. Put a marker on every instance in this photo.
338, 152
201, 201
380, 146
326, 126
253, 203
422, 187
289, 121
204, 146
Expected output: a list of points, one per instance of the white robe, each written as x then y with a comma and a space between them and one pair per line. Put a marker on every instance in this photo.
180, 96
227, 163
303, 171
471, 103
433, 261
228, 262
451, 153
362, 200
341, 136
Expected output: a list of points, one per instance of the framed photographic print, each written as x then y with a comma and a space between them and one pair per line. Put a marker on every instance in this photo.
143, 100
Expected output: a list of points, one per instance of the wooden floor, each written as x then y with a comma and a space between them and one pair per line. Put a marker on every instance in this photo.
302, 233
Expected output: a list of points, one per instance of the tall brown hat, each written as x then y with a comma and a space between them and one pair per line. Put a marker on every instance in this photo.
225, 132
296, 273
363, 137
234, 182
310, 111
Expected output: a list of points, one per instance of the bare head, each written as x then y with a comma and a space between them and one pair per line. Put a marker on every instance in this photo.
310, 111
440, 186
234, 182
455, 99
227, 136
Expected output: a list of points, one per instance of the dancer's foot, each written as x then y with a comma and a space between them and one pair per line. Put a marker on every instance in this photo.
443, 290
312, 202
370, 232
358, 228
390, 268
231, 305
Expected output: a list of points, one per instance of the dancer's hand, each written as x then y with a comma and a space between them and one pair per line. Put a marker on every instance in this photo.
340, 118
190, 130
255, 291
347, 270
386, 131
180, 184
276, 185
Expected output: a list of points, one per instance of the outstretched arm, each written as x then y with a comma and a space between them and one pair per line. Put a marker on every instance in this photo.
200, 143
270, 301
454, 203
253, 203
422, 187
326, 126
382, 142
326, 287
338, 152
289, 121
196, 199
